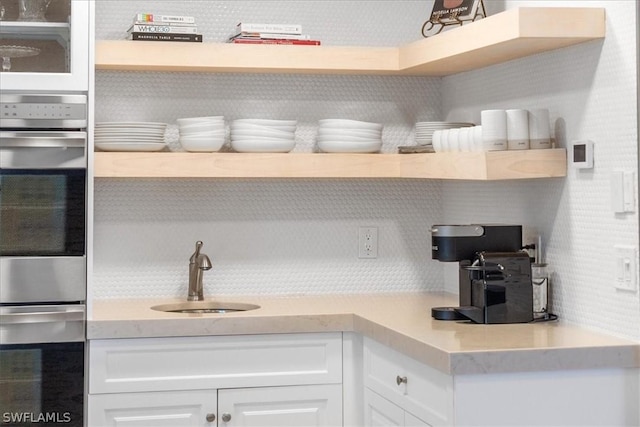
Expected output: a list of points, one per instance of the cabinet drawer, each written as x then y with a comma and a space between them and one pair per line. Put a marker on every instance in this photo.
427, 392
153, 364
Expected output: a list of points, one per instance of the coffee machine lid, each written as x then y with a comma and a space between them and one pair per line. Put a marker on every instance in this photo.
457, 230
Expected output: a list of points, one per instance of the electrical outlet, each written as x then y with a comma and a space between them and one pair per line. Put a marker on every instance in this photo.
368, 242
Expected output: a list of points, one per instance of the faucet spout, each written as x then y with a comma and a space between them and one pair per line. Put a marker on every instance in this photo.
198, 263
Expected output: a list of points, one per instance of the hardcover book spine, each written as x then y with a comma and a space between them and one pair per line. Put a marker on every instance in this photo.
166, 37
163, 29
269, 28
148, 17
280, 41
271, 36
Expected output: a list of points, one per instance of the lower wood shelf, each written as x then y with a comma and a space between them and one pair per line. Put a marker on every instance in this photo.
494, 165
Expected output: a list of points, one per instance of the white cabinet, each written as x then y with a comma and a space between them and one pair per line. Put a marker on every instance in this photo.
59, 46
416, 388
294, 406
379, 412
158, 409
253, 380
399, 390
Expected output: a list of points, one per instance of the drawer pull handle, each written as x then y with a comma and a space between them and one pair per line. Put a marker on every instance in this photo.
401, 380
210, 418
226, 417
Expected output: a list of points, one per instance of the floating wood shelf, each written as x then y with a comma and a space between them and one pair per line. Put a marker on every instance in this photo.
512, 34
495, 165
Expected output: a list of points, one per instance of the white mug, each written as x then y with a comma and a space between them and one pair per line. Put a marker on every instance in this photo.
539, 128
494, 130
517, 129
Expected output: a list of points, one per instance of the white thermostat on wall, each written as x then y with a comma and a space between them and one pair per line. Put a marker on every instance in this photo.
581, 154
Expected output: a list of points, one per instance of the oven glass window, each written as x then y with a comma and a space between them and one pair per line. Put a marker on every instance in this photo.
42, 213
41, 384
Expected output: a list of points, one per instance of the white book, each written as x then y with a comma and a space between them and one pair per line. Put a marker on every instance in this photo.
281, 36
268, 28
163, 29
150, 17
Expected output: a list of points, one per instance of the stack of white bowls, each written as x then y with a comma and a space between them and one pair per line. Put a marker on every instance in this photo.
263, 135
425, 130
349, 136
458, 139
202, 134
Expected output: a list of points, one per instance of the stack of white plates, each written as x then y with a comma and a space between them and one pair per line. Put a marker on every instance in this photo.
202, 134
424, 130
349, 136
130, 136
263, 135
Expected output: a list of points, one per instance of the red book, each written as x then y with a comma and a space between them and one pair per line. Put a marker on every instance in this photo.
277, 41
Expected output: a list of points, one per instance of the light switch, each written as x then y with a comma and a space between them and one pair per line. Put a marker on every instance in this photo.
623, 197
626, 265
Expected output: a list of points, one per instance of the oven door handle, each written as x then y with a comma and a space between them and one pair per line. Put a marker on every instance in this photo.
41, 317
42, 139
42, 324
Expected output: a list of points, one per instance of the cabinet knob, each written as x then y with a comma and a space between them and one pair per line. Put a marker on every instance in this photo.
401, 380
210, 418
226, 417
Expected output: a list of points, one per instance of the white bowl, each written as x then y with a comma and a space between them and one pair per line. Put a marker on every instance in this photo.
203, 132
346, 138
349, 124
200, 120
360, 133
262, 139
267, 122
249, 126
262, 133
276, 146
208, 145
342, 147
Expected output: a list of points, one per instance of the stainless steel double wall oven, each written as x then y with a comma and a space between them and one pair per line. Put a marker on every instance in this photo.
43, 267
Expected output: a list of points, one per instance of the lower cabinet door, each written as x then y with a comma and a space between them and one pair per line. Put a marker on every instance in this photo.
294, 406
380, 412
153, 409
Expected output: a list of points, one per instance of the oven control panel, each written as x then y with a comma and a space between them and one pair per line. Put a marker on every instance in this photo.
43, 111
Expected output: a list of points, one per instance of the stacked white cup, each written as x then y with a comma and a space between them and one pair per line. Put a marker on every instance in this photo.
539, 128
517, 129
494, 130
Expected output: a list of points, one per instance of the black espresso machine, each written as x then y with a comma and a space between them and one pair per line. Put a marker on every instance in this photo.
495, 273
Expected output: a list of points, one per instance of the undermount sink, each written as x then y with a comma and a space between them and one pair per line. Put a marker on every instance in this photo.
201, 307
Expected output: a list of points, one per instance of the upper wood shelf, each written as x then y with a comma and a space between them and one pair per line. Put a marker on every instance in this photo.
512, 34
494, 165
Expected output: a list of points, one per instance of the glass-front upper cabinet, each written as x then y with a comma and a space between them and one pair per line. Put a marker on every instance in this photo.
44, 45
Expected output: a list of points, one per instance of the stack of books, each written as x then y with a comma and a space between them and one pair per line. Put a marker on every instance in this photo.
171, 28
271, 34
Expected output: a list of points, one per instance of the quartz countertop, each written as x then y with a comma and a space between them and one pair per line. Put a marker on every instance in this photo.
400, 321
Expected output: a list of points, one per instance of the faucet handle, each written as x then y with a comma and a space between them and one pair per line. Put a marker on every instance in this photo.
196, 254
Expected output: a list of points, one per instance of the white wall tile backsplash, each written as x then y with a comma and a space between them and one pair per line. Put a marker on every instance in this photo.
300, 236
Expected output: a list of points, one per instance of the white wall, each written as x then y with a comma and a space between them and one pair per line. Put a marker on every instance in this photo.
591, 91
300, 236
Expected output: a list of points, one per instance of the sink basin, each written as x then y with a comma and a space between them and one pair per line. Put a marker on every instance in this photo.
203, 307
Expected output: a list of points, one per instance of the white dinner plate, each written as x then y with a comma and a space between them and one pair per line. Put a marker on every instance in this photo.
154, 125
132, 146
